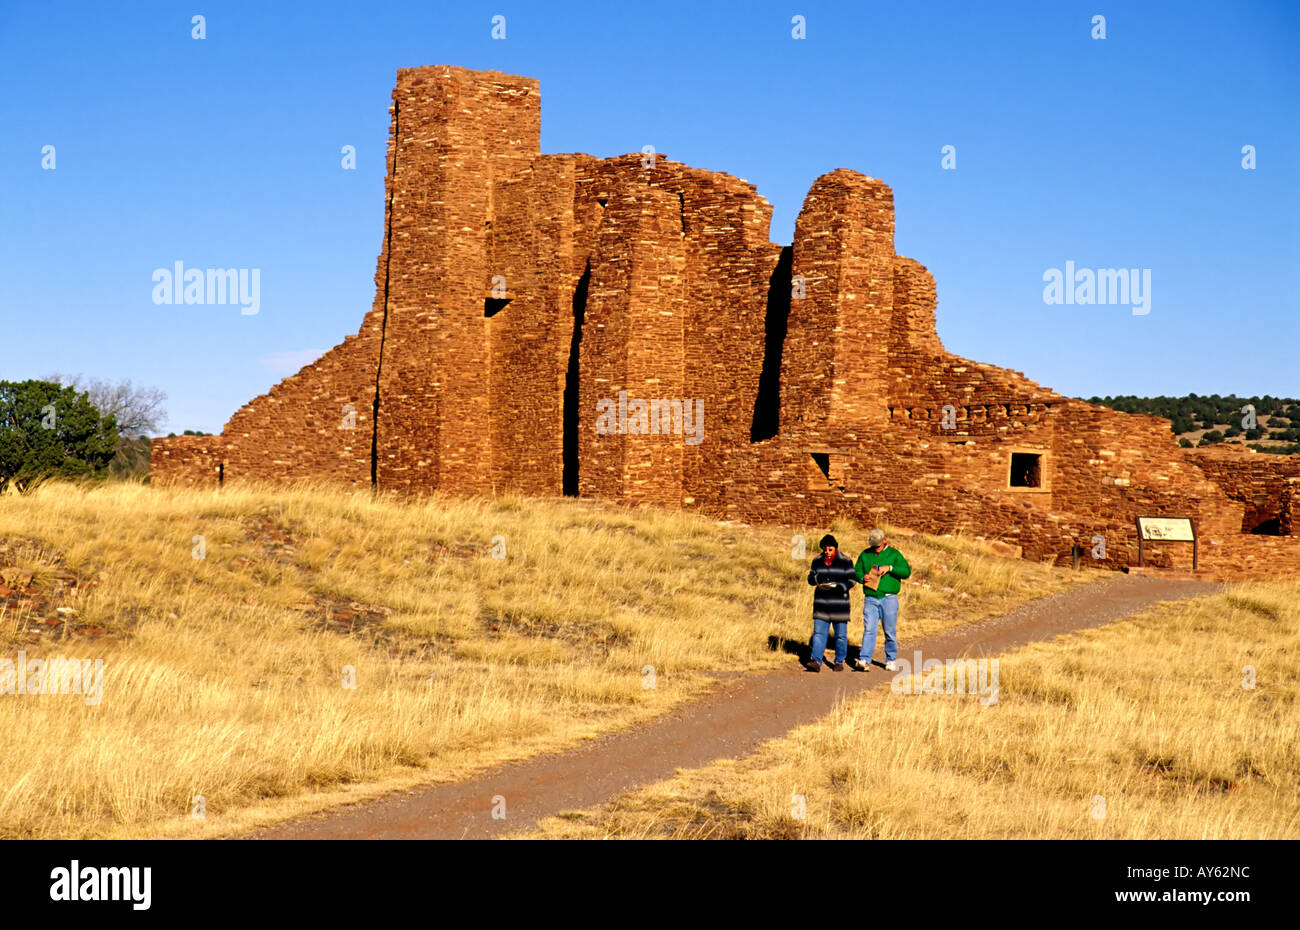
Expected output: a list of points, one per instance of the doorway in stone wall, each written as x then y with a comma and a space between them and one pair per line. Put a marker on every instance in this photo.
572, 415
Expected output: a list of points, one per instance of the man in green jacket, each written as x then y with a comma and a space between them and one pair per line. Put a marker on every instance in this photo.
879, 568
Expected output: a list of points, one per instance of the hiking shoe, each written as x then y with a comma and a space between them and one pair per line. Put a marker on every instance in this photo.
812, 665
837, 666
891, 666
860, 666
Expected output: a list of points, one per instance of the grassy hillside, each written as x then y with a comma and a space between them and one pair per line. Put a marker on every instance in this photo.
224, 674
1142, 729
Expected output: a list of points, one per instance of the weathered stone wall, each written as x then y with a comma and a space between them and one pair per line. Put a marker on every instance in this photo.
319, 422
836, 351
529, 337
1263, 482
1243, 556
520, 295
187, 461
632, 339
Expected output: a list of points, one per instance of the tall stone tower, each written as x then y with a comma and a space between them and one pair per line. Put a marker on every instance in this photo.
454, 134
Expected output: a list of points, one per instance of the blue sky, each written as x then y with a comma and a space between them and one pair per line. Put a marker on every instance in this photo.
1123, 152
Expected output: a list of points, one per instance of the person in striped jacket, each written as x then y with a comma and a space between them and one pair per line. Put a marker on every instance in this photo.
832, 575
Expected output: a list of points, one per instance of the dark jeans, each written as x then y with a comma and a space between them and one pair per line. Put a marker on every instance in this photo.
821, 628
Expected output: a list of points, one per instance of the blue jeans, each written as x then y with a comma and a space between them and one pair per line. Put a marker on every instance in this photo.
874, 610
820, 630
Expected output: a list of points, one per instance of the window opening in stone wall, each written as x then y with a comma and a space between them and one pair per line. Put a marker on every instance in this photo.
1026, 470
823, 461
569, 480
832, 466
767, 402
494, 305
1271, 527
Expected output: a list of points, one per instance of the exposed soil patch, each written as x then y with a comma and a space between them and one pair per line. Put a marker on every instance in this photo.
40, 596
591, 637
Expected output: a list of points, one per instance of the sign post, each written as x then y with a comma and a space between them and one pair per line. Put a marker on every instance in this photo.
1166, 529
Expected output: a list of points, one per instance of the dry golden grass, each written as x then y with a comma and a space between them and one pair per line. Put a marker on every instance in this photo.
1145, 721
223, 676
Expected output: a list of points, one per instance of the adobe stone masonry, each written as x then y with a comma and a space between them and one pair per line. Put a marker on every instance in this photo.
525, 302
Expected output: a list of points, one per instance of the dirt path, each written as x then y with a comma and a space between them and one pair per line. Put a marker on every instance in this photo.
727, 723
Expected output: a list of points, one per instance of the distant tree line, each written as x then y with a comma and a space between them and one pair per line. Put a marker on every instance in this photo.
1221, 417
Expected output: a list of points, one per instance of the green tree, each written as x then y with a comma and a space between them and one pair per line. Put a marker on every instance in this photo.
48, 431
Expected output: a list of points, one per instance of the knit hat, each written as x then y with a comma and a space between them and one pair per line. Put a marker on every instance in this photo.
828, 540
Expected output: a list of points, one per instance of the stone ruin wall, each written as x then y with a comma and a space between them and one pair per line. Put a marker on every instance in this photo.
1265, 484
661, 282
